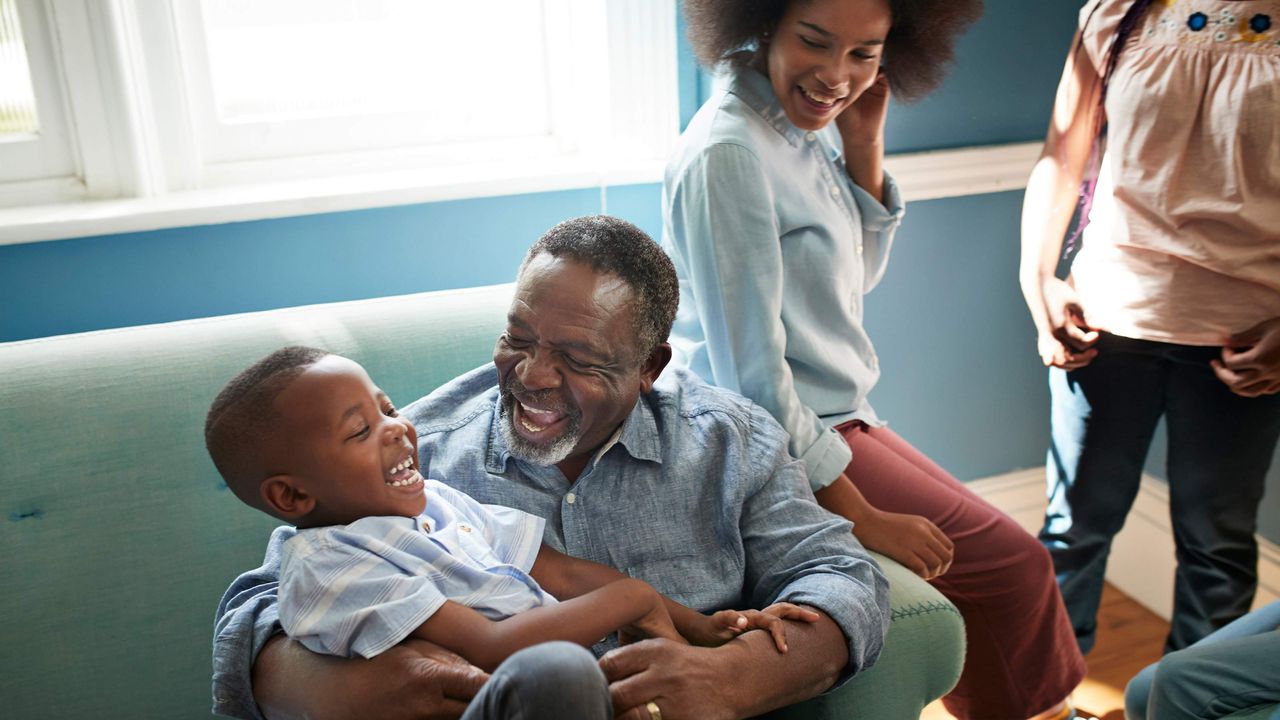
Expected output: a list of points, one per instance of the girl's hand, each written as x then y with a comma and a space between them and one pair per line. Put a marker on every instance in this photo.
1068, 340
1250, 363
862, 123
912, 540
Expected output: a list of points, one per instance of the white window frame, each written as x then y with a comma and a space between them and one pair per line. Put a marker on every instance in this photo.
142, 150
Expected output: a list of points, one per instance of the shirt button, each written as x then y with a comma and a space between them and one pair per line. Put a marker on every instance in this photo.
570, 498
811, 136
835, 191
859, 248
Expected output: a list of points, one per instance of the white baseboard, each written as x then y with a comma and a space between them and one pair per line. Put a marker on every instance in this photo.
1142, 559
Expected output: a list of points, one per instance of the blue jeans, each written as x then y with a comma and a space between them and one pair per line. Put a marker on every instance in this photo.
1220, 447
544, 682
1235, 668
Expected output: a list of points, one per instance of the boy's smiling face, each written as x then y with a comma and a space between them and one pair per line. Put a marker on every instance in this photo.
342, 449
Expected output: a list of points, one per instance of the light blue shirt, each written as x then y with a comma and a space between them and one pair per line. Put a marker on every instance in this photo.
775, 246
698, 496
359, 589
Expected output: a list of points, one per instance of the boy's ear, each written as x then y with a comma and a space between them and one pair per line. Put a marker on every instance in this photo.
286, 497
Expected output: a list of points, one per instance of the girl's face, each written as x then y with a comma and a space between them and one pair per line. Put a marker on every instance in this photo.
823, 55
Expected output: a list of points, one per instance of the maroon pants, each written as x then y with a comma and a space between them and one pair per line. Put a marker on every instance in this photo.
1021, 655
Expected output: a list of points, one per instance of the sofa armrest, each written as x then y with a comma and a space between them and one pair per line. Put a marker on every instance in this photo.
921, 661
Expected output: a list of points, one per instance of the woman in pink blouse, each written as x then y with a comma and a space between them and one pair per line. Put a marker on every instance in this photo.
1172, 305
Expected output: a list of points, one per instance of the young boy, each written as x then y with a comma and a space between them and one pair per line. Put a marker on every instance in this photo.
383, 554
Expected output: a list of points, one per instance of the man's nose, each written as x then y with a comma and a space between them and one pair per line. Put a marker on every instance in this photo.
538, 370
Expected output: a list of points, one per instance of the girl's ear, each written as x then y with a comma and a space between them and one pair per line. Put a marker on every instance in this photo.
286, 497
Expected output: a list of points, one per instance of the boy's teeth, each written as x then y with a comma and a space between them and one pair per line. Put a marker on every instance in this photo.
406, 481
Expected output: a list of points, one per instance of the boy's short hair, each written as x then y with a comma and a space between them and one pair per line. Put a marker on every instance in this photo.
242, 416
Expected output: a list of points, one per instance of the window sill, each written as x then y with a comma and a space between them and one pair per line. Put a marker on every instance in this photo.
242, 203
922, 176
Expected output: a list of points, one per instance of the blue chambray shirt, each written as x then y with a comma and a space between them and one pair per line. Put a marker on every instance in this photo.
698, 496
775, 246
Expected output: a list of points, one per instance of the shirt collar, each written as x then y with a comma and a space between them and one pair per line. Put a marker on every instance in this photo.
638, 435
754, 89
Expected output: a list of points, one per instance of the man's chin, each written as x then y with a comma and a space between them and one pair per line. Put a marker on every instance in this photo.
549, 452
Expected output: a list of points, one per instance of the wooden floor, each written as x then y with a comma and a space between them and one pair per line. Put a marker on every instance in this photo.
1129, 638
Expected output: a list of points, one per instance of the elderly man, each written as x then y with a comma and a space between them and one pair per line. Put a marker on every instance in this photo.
667, 479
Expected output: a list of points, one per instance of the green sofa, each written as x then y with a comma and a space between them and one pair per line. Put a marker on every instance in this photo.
119, 537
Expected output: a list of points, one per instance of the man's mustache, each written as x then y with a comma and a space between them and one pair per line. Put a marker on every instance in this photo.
546, 399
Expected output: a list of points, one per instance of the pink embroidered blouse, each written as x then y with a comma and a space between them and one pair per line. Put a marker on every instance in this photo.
1184, 240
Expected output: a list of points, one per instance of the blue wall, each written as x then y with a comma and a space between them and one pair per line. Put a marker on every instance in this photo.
961, 377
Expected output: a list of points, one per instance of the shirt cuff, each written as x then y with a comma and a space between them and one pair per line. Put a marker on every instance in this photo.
877, 217
235, 649
826, 459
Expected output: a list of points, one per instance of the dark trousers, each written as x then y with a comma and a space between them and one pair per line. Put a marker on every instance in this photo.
550, 681
1220, 447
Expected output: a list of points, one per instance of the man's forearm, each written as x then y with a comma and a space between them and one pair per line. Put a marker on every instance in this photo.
767, 679
414, 679
284, 680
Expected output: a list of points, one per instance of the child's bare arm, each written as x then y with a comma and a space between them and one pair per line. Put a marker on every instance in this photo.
626, 604
565, 577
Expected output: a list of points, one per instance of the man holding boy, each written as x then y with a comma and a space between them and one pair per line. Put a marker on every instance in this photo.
680, 484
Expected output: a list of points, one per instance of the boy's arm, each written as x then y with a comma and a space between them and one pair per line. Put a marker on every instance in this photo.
568, 577
622, 604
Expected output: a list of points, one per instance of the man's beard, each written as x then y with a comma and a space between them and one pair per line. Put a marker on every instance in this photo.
523, 448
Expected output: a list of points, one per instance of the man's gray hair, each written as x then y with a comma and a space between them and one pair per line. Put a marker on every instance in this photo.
610, 245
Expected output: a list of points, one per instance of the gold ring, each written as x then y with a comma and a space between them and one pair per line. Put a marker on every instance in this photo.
654, 712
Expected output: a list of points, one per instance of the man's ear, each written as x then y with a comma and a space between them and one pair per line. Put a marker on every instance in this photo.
654, 365
286, 497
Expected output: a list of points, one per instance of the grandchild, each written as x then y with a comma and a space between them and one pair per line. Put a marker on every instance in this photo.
382, 553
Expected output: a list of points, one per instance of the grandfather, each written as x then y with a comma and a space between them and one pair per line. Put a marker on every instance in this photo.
667, 479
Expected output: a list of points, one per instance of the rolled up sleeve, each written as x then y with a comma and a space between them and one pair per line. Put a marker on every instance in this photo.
246, 619
879, 226
798, 552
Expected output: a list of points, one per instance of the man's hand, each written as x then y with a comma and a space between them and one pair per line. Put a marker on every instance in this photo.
745, 677
1067, 342
912, 540
684, 681
415, 680
1250, 363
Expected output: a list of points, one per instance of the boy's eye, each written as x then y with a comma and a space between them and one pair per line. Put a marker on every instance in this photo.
390, 411
360, 434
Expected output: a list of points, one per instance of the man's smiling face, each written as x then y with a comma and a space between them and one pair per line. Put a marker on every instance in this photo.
568, 367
